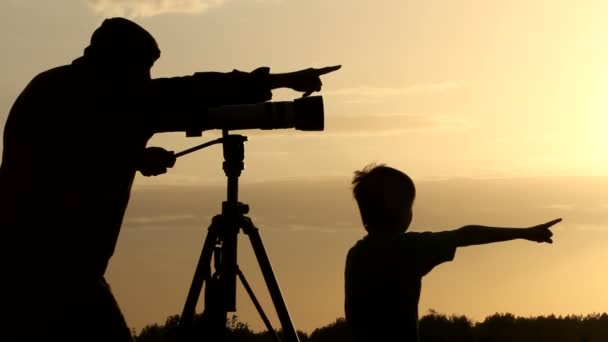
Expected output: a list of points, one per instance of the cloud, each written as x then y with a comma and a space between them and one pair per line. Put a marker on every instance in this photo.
559, 206
391, 123
365, 93
150, 8
160, 219
588, 227
346, 227
373, 125
138, 8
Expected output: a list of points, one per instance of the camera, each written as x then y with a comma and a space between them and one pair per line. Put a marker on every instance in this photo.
305, 114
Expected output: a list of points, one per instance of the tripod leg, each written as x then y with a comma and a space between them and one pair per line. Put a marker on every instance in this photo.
257, 305
289, 330
202, 273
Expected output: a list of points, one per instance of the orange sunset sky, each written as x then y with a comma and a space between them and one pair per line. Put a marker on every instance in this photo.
496, 109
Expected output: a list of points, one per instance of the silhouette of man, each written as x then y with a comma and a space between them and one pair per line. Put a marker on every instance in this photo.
384, 269
73, 142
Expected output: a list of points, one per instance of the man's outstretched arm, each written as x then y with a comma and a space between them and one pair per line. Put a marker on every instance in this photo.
479, 235
176, 104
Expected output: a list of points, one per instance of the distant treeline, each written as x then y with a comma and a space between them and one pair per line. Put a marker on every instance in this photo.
434, 327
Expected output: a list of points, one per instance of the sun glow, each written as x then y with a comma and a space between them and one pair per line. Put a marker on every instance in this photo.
596, 122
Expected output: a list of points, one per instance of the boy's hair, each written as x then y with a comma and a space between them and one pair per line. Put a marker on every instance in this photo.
382, 194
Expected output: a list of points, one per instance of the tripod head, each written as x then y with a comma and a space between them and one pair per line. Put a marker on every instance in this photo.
227, 139
234, 154
233, 165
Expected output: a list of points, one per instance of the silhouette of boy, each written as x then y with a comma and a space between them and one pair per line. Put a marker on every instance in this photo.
73, 142
384, 269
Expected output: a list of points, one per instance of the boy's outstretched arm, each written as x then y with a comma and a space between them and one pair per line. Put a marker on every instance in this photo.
479, 235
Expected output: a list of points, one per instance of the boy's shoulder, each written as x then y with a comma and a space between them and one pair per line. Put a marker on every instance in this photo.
388, 243
427, 249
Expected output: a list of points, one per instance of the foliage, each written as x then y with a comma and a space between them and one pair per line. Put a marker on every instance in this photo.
236, 331
336, 331
434, 327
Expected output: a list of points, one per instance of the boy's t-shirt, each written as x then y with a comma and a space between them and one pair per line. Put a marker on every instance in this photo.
383, 280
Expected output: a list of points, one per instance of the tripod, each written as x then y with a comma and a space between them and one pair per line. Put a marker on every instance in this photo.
221, 246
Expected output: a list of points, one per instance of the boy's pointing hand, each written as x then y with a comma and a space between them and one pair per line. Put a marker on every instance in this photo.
541, 232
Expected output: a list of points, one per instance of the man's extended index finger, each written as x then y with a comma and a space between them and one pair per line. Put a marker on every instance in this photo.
550, 223
326, 70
